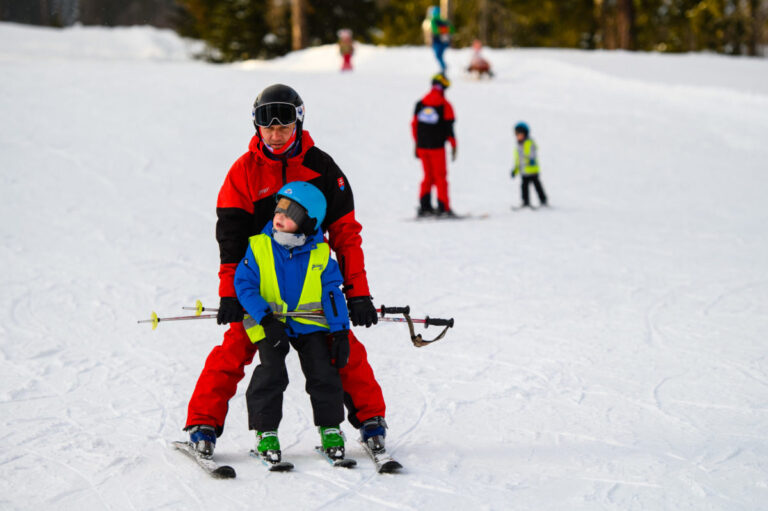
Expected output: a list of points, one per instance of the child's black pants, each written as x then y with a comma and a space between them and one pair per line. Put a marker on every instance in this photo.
270, 379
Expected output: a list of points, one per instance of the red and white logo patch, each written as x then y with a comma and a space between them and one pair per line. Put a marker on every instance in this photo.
341, 183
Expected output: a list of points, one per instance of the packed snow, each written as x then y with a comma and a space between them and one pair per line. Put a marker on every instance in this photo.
609, 352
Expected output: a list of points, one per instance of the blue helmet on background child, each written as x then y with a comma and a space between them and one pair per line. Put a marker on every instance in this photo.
522, 127
306, 205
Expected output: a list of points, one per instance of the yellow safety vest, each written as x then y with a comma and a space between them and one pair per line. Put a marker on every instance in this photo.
311, 291
529, 169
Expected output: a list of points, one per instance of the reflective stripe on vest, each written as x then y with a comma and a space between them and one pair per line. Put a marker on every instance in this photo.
311, 291
526, 169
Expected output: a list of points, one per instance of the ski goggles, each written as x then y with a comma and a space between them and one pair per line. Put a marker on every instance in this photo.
282, 113
291, 209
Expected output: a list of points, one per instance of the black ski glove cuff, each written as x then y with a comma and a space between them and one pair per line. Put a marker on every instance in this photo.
362, 311
230, 311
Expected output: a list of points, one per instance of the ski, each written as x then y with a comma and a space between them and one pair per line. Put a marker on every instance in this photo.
344, 462
385, 464
211, 467
273, 466
448, 218
521, 208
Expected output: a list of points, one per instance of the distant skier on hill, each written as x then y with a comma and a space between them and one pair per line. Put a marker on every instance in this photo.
442, 30
346, 48
527, 165
432, 126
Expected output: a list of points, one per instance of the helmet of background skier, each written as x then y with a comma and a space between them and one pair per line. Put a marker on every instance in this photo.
308, 197
441, 80
522, 127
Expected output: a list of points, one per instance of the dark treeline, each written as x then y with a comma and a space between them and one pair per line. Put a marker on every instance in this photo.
242, 29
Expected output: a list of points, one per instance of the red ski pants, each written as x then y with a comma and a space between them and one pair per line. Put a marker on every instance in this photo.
225, 367
435, 174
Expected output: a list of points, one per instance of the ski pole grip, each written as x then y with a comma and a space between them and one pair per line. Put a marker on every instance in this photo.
438, 322
395, 310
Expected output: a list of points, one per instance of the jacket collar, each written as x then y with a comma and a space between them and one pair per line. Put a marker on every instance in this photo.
258, 149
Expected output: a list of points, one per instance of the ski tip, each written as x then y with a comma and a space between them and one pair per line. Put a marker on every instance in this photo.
390, 467
224, 472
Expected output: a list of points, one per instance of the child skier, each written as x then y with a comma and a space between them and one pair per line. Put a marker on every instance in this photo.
287, 268
527, 165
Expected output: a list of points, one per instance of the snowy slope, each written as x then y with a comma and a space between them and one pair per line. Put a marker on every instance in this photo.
609, 353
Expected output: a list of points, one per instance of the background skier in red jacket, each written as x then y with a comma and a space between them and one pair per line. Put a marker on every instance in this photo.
432, 126
282, 152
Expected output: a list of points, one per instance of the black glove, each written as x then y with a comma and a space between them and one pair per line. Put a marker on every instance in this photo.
274, 330
513, 173
230, 311
453, 153
362, 311
340, 348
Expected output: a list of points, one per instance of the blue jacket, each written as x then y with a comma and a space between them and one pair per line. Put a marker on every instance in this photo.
291, 269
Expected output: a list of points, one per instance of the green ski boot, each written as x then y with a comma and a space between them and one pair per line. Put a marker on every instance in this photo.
268, 446
332, 441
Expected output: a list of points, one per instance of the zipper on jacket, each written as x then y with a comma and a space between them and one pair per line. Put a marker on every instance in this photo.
333, 303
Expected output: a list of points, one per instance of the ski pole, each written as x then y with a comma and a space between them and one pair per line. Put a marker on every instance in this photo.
317, 315
155, 320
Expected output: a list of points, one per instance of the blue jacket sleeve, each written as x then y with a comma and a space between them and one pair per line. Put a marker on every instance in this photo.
247, 286
334, 306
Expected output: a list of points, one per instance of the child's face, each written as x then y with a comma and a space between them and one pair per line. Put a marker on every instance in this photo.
282, 223
520, 136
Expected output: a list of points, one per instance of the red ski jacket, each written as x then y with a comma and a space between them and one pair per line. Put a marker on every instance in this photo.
432, 122
247, 202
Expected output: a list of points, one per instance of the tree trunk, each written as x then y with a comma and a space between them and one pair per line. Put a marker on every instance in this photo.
625, 24
298, 25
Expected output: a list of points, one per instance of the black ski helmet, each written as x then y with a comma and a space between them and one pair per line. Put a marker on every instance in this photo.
274, 104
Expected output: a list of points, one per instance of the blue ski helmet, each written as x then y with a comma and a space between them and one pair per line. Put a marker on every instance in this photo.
312, 202
522, 127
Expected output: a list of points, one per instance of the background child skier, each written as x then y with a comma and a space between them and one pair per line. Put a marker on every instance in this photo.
527, 165
288, 268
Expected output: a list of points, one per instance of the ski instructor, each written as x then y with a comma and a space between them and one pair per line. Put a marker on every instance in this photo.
280, 152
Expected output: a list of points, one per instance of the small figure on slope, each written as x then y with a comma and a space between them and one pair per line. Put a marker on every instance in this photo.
432, 126
288, 268
527, 165
442, 30
346, 48
479, 65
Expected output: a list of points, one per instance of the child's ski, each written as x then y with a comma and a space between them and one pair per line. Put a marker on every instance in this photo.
207, 464
385, 464
273, 466
343, 462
